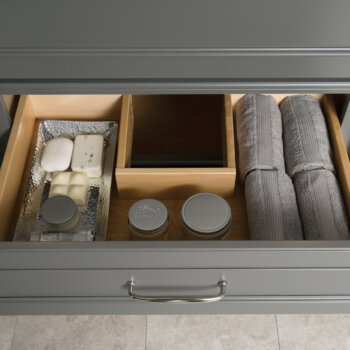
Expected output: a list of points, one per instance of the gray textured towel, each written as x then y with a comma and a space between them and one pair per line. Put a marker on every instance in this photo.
321, 206
272, 207
306, 142
259, 133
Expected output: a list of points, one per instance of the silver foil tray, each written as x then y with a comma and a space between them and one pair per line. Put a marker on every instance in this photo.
94, 217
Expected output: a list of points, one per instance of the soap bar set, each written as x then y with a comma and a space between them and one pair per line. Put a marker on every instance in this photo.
86, 154
85, 157
70, 189
273, 200
72, 184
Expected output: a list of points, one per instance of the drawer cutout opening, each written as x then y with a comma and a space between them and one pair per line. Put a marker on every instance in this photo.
33, 109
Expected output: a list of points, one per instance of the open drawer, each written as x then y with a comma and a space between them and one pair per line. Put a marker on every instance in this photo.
91, 277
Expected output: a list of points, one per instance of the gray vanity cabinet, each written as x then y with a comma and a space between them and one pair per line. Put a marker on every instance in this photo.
174, 47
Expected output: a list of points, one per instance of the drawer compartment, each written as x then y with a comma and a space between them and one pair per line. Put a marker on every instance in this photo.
18, 157
203, 115
175, 129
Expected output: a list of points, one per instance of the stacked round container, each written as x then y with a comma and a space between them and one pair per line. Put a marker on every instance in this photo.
148, 220
206, 216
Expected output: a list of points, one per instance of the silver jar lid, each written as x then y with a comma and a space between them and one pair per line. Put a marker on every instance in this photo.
206, 214
59, 211
148, 215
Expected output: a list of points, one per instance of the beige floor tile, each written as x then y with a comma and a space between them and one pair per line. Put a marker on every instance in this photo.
7, 328
204, 332
80, 332
314, 332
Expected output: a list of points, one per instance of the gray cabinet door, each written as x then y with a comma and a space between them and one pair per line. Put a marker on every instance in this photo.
174, 46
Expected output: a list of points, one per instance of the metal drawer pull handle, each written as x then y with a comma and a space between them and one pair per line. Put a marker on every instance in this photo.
178, 299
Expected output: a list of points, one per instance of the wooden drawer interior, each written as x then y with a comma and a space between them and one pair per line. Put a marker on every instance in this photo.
147, 111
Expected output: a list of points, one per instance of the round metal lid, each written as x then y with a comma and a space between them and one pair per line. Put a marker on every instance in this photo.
206, 213
58, 210
148, 215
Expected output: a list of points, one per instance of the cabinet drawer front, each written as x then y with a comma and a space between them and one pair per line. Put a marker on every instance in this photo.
224, 52
165, 282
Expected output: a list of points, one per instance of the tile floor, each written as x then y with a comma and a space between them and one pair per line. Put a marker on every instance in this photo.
285, 332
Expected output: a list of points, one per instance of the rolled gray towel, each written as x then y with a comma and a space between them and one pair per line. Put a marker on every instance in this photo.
272, 207
306, 142
321, 206
259, 133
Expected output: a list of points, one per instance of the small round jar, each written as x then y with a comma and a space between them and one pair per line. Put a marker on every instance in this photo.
206, 216
148, 220
60, 213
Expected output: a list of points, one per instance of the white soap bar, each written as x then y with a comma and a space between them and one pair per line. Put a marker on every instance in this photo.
56, 190
57, 154
78, 193
88, 154
72, 184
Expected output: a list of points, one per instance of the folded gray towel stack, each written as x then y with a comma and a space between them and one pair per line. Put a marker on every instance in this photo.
321, 205
271, 205
309, 162
270, 196
306, 142
259, 134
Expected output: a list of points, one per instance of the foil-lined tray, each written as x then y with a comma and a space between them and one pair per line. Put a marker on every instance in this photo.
94, 216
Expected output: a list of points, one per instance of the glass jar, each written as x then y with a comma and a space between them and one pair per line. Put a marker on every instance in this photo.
148, 220
206, 216
61, 214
